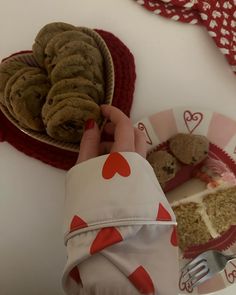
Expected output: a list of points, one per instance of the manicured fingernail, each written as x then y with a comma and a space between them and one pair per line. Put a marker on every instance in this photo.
89, 124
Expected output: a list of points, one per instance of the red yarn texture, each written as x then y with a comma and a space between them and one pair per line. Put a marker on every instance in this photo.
125, 76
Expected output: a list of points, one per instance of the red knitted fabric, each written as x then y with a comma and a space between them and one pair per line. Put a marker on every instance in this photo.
123, 96
218, 17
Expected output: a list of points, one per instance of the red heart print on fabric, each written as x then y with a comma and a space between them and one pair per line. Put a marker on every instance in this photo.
74, 274
192, 120
115, 163
77, 223
174, 237
163, 214
142, 281
106, 237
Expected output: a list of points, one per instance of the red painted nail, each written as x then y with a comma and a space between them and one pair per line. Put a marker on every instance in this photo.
89, 124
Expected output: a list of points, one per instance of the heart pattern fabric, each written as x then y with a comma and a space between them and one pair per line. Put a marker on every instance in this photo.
141, 279
77, 223
75, 275
174, 237
121, 241
218, 17
163, 214
115, 163
106, 237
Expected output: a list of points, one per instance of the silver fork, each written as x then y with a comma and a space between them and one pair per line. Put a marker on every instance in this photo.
205, 266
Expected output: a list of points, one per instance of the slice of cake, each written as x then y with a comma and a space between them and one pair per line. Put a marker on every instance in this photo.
191, 227
221, 208
205, 215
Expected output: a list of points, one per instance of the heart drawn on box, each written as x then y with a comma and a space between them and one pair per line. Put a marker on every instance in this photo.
142, 127
192, 120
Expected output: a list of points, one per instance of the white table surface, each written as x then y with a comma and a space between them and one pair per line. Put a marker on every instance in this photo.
176, 64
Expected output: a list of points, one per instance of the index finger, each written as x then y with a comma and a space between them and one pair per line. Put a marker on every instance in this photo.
124, 131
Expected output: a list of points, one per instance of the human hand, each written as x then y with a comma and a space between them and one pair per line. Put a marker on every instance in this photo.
126, 137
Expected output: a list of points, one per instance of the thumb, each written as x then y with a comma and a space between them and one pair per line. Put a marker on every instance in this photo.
90, 142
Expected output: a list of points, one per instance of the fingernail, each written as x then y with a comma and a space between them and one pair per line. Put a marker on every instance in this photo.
89, 124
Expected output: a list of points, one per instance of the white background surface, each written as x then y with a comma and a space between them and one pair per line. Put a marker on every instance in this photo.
176, 64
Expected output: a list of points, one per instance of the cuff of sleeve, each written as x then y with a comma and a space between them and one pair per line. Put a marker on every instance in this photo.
111, 190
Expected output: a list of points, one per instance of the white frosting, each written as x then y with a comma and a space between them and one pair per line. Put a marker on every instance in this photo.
206, 220
198, 197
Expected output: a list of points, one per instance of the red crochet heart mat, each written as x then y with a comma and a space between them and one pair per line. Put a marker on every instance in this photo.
125, 77
218, 17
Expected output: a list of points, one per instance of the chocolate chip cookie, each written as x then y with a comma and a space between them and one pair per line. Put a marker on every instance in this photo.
94, 90
76, 66
59, 40
12, 81
45, 35
48, 108
7, 70
67, 122
76, 47
27, 97
189, 148
164, 165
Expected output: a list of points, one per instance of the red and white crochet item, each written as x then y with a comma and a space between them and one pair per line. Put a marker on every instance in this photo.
219, 18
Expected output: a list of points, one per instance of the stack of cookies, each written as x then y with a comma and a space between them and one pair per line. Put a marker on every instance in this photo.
74, 65
23, 91
63, 91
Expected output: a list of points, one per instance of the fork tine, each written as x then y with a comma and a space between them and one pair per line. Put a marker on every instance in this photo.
202, 272
200, 257
197, 268
199, 274
191, 265
202, 277
204, 266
